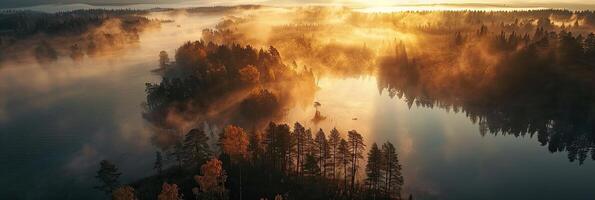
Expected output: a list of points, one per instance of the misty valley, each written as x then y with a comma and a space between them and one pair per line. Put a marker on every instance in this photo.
297, 102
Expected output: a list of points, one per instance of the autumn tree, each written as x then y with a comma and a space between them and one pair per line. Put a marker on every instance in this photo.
373, 170
249, 74
123, 193
195, 147
393, 179
169, 192
235, 142
212, 180
356, 149
108, 176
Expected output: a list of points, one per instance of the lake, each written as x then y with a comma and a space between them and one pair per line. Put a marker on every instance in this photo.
57, 121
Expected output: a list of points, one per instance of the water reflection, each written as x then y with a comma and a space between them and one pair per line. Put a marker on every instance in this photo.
524, 97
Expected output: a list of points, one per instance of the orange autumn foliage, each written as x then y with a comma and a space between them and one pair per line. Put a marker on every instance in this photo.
235, 142
169, 192
213, 178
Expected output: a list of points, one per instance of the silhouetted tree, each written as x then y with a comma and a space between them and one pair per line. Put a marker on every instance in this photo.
322, 153
393, 180
158, 163
344, 159
278, 145
299, 135
334, 142
356, 149
373, 170
196, 149
311, 167
108, 176
163, 59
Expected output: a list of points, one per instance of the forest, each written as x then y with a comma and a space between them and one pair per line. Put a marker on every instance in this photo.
74, 34
489, 65
277, 163
521, 73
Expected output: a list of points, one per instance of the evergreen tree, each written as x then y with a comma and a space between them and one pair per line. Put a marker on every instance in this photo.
356, 149
344, 159
590, 46
158, 163
256, 146
195, 147
334, 142
108, 176
311, 167
322, 153
278, 145
393, 179
373, 170
177, 152
299, 133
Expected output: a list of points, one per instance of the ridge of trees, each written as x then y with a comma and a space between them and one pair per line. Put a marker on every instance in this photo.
288, 166
203, 73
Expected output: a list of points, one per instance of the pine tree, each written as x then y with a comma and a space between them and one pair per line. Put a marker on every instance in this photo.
344, 159
373, 170
356, 148
311, 166
334, 142
256, 146
177, 152
322, 151
393, 179
277, 145
299, 133
108, 176
590, 46
196, 149
158, 163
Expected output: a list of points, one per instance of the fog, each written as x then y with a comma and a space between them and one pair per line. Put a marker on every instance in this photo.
379, 73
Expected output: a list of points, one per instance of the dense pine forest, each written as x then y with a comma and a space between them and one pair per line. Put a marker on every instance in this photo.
277, 163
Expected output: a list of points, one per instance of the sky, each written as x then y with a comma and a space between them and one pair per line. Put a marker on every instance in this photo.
545, 3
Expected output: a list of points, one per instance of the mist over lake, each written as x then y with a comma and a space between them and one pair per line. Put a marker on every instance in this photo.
296, 102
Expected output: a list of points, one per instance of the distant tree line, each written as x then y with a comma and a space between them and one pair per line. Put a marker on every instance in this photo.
74, 33
534, 84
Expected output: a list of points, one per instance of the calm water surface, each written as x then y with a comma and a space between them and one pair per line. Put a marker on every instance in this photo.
58, 121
